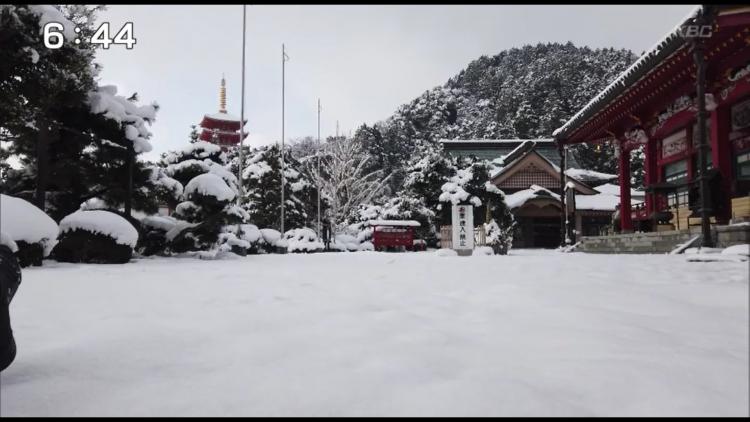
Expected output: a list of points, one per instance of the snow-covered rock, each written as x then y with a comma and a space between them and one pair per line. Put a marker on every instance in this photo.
101, 222
209, 184
22, 221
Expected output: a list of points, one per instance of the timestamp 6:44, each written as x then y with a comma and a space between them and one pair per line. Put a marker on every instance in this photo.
53, 36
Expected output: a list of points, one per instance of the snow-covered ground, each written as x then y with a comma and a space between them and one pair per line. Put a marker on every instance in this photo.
533, 333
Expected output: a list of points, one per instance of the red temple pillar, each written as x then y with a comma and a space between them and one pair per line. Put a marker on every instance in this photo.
721, 156
626, 222
650, 175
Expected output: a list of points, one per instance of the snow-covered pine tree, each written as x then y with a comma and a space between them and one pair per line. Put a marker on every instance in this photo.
208, 198
262, 186
43, 94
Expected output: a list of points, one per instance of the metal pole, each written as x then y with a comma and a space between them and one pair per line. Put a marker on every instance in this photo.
317, 182
705, 207
281, 153
563, 209
242, 112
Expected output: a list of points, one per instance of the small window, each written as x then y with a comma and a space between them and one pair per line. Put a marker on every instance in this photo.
743, 165
675, 172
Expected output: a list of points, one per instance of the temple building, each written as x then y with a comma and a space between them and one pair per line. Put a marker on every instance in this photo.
528, 173
653, 105
222, 128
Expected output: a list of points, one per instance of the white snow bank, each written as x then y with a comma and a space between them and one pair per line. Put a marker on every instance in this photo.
209, 184
737, 250
102, 222
24, 222
5, 240
446, 252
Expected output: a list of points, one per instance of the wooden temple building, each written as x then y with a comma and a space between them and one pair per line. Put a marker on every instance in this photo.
654, 105
528, 173
222, 128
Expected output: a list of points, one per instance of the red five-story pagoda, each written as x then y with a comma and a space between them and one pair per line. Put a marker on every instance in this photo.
222, 128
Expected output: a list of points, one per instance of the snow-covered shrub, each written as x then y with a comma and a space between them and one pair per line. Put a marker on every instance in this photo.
95, 237
249, 235
229, 242
499, 239
270, 241
33, 232
482, 251
303, 240
366, 246
154, 229
208, 204
345, 242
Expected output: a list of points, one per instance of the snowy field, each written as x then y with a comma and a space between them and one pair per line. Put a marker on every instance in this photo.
534, 333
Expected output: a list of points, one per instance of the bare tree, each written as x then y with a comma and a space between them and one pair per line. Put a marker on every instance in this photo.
343, 178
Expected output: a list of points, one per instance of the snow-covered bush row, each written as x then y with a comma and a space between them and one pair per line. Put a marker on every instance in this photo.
303, 240
95, 237
33, 232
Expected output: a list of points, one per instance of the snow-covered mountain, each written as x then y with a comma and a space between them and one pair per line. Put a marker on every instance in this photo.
523, 92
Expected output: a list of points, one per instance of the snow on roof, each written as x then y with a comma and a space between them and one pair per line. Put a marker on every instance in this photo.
664, 48
598, 202
24, 222
584, 175
398, 223
494, 141
211, 185
102, 222
611, 189
518, 199
223, 116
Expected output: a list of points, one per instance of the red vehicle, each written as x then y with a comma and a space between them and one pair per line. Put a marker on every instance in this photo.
395, 234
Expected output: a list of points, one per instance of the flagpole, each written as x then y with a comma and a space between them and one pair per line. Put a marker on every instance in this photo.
242, 112
283, 70
318, 172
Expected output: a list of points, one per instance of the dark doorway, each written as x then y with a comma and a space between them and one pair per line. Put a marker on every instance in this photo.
538, 232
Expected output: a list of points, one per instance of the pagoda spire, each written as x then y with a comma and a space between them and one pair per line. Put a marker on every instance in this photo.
223, 95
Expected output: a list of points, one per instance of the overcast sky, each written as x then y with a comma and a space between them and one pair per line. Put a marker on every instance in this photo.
361, 61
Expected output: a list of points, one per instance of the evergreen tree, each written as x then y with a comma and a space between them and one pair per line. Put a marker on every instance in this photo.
209, 191
262, 186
